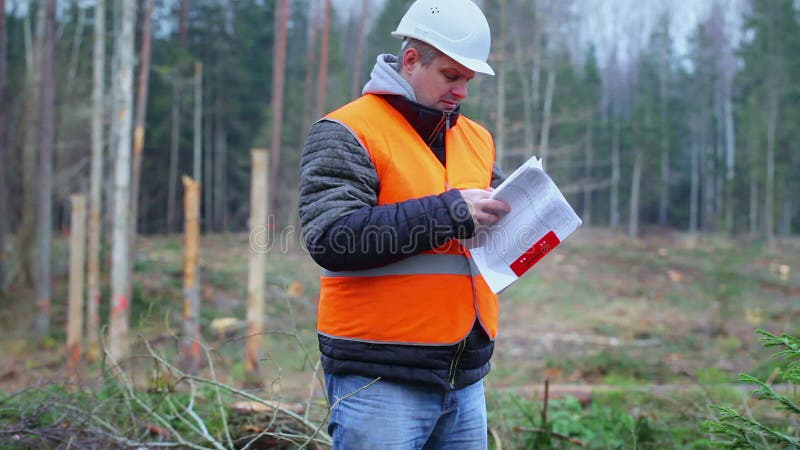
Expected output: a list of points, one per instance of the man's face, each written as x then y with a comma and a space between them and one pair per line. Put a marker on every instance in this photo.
441, 85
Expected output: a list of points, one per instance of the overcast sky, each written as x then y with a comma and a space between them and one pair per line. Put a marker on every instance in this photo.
629, 22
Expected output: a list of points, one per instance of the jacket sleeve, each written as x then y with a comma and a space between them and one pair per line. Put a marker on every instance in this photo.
497, 176
343, 226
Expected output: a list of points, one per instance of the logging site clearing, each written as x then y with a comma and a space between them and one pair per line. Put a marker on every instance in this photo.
655, 321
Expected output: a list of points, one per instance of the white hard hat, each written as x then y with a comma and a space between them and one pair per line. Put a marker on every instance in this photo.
456, 28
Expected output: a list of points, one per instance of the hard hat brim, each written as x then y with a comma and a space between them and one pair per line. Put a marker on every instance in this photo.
473, 64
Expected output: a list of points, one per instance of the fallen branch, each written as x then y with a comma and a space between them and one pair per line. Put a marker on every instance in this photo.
317, 436
498, 444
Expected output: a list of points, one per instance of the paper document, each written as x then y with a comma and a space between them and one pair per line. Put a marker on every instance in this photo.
539, 220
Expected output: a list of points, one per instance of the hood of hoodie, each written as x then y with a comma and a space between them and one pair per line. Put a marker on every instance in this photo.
430, 123
385, 80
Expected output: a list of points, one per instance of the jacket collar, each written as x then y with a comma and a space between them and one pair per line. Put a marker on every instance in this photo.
430, 123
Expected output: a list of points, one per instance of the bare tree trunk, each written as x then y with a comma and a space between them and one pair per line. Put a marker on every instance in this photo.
175, 136
220, 155
278, 74
730, 160
95, 195
754, 201
184, 22
308, 89
190, 347
259, 235
45, 179
499, 127
209, 155
141, 112
527, 100
706, 189
183, 34
786, 222
355, 89
707, 176
113, 135
663, 195
587, 168
27, 228
544, 141
224, 180
322, 81
536, 72
77, 41
3, 163
694, 190
613, 221
76, 271
198, 123
119, 345
792, 185
769, 181
717, 159
636, 185
308, 84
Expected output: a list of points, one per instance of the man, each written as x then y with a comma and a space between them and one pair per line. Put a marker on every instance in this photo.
389, 182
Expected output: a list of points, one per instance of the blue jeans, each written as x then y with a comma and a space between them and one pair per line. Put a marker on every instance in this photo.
377, 415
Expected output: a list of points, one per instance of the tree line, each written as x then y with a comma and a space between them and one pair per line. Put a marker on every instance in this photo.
118, 99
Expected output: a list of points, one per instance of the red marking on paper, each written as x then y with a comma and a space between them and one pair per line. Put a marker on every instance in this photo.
535, 253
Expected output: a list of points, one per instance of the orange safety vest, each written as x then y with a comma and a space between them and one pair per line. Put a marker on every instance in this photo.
432, 297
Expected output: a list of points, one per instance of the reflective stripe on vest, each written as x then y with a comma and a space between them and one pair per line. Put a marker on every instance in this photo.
425, 263
432, 298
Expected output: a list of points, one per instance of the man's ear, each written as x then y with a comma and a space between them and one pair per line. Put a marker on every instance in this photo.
410, 59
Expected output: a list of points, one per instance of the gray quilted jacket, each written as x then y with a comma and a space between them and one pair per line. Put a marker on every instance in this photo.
338, 209
339, 191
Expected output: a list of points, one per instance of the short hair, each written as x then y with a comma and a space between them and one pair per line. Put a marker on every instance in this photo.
427, 52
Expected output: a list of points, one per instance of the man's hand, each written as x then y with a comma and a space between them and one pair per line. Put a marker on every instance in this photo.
485, 211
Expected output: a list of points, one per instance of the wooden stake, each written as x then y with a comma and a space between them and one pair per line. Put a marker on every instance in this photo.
190, 347
255, 274
77, 246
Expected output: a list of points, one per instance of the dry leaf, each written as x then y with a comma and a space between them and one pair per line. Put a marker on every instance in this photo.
296, 289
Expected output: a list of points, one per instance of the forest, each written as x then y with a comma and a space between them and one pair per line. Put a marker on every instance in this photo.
661, 128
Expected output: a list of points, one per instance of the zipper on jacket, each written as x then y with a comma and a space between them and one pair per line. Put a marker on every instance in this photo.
454, 363
444, 141
437, 129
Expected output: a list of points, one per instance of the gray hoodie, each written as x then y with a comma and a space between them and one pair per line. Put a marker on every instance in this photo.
384, 79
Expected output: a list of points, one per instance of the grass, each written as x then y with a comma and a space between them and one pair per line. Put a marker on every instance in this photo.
610, 421
176, 410
600, 310
697, 304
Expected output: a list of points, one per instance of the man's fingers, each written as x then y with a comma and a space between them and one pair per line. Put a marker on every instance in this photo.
496, 206
484, 210
488, 211
485, 218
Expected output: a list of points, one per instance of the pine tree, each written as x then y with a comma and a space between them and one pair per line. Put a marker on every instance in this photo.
735, 431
